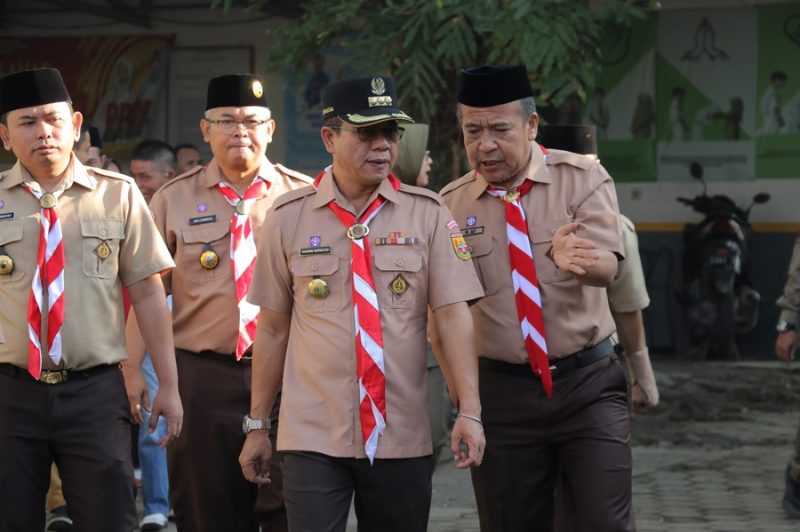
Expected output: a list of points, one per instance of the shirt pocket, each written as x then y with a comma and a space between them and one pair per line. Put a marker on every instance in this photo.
101, 240
484, 251
399, 279
306, 269
194, 241
542, 239
11, 240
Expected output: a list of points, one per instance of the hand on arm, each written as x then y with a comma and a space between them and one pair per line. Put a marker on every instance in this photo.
155, 325
591, 266
786, 345
454, 324
269, 356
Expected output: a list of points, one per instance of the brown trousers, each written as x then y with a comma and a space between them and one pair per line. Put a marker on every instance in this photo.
583, 430
84, 425
207, 489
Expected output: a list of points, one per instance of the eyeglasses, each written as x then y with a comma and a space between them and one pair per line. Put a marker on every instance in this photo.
226, 125
392, 133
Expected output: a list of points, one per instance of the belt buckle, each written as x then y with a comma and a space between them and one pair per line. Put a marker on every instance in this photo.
53, 377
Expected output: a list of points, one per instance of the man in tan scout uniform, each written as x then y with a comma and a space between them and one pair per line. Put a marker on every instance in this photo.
70, 237
552, 391
209, 218
785, 348
346, 272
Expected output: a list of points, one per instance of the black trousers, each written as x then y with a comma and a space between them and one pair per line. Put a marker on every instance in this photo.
84, 425
207, 488
392, 495
583, 430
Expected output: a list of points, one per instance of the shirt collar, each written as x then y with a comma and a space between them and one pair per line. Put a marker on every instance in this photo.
213, 173
535, 171
75, 173
327, 191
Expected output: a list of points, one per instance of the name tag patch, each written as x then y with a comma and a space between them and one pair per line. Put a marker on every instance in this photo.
203, 219
472, 231
6, 215
321, 250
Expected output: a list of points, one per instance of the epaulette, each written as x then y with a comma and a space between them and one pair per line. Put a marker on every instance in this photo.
186, 175
292, 195
567, 157
458, 183
421, 191
293, 173
108, 173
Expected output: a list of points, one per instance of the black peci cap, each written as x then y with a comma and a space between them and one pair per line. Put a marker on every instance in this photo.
236, 90
490, 85
577, 139
362, 101
30, 88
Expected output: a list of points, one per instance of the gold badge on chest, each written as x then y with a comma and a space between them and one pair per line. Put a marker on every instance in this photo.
103, 251
318, 288
209, 258
399, 284
6, 262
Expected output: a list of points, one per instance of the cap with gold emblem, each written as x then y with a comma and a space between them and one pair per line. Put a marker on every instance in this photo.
236, 90
362, 101
491, 85
30, 88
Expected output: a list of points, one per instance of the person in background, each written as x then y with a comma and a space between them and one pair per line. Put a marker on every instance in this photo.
786, 349
188, 157
89, 148
413, 165
152, 165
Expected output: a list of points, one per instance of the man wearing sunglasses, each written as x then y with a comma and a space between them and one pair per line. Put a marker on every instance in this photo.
346, 272
209, 219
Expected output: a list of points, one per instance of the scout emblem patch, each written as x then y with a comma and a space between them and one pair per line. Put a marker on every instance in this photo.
6, 262
209, 258
103, 250
399, 285
471, 221
318, 288
316, 247
202, 207
460, 246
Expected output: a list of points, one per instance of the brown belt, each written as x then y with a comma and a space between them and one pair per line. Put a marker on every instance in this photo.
57, 376
558, 367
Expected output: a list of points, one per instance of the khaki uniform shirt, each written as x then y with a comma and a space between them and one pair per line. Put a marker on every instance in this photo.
302, 239
96, 206
628, 292
789, 302
567, 187
190, 212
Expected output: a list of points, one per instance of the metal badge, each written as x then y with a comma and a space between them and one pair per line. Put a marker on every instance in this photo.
6, 264
209, 258
241, 207
103, 250
258, 89
318, 288
357, 231
47, 201
399, 284
511, 196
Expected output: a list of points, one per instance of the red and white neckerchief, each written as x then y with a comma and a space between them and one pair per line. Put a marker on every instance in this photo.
368, 333
50, 274
243, 256
526, 286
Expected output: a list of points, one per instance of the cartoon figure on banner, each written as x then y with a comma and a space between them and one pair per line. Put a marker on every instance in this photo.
771, 110
644, 117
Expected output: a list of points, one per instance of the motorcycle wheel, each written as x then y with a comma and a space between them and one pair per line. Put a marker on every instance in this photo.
722, 345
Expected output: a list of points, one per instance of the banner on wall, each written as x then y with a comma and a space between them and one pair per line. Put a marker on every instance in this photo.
778, 91
705, 87
622, 105
115, 82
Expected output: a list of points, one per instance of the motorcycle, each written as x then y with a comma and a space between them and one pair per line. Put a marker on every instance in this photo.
719, 299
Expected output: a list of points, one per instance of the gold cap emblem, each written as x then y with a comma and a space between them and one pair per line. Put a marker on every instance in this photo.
258, 89
378, 86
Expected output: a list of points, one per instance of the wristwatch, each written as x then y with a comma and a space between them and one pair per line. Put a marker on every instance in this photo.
784, 326
249, 424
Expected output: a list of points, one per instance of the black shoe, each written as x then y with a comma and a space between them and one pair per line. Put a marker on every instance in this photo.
58, 520
791, 496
